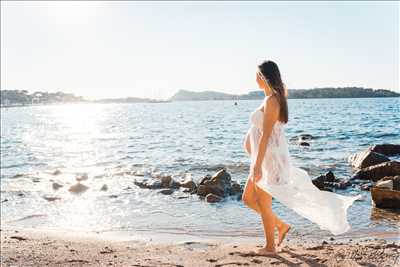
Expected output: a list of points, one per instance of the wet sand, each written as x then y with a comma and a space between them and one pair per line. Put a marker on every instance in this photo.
29, 248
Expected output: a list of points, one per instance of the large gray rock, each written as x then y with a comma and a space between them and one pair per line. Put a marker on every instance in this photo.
367, 158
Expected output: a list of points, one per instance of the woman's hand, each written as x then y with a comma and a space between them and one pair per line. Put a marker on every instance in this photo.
257, 173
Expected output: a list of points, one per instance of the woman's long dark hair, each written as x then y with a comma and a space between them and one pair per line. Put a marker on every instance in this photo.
271, 72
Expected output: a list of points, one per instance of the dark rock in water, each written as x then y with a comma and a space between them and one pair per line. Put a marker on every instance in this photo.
385, 198
166, 191
57, 172
155, 184
366, 158
166, 181
376, 172
301, 137
395, 180
78, 188
386, 149
330, 177
174, 184
203, 190
211, 198
319, 181
236, 189
4, 200
304, 144
204, 179
188, 183
219, 184
328, 181
306, 137
56, 186
19, 175
104, 188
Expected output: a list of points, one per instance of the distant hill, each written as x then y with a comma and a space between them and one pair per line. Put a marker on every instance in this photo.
22, 97
327, 92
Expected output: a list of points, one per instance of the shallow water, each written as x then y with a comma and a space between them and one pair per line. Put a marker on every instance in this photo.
112, 143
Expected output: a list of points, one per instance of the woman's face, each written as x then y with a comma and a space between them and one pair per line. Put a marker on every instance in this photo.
262, 84
260, 81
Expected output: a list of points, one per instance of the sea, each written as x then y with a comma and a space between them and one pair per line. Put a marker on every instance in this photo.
113, 144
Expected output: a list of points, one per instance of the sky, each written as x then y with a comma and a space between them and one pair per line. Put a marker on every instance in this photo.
153, 49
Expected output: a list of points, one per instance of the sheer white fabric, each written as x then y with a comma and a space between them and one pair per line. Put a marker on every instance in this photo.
292, 186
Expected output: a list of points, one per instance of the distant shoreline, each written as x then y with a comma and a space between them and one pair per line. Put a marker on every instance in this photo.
168, 101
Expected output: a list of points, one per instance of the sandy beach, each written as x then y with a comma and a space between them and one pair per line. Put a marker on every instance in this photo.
33, 248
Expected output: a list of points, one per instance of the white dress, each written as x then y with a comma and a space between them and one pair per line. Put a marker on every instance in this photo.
291, 185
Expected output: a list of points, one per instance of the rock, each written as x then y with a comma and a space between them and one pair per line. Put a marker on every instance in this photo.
166, 180
78, 188
388, 184
155, 184
330, 177
142, 183
301, 137
219, 184
56, 186
166, 191
204, 179
366, 158
212, 198
325, 182
51, 198
149, 184
104, 188
81, 177
56, 172
386, 149
395, 180
189, 183
174, 184
236, 189
385, 198
319, 181
376, 172
304, 144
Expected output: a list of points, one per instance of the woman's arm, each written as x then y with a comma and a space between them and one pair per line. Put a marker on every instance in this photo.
271, 115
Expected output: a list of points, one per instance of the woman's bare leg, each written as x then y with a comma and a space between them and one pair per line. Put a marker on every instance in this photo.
249, 197
268, 218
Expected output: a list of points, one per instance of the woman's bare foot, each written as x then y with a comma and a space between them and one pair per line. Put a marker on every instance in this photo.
265, 251
283, 229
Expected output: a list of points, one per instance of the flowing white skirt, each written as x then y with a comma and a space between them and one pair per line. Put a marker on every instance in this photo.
292, 186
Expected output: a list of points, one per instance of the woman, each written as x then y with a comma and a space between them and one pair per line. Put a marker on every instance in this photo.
272, 173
